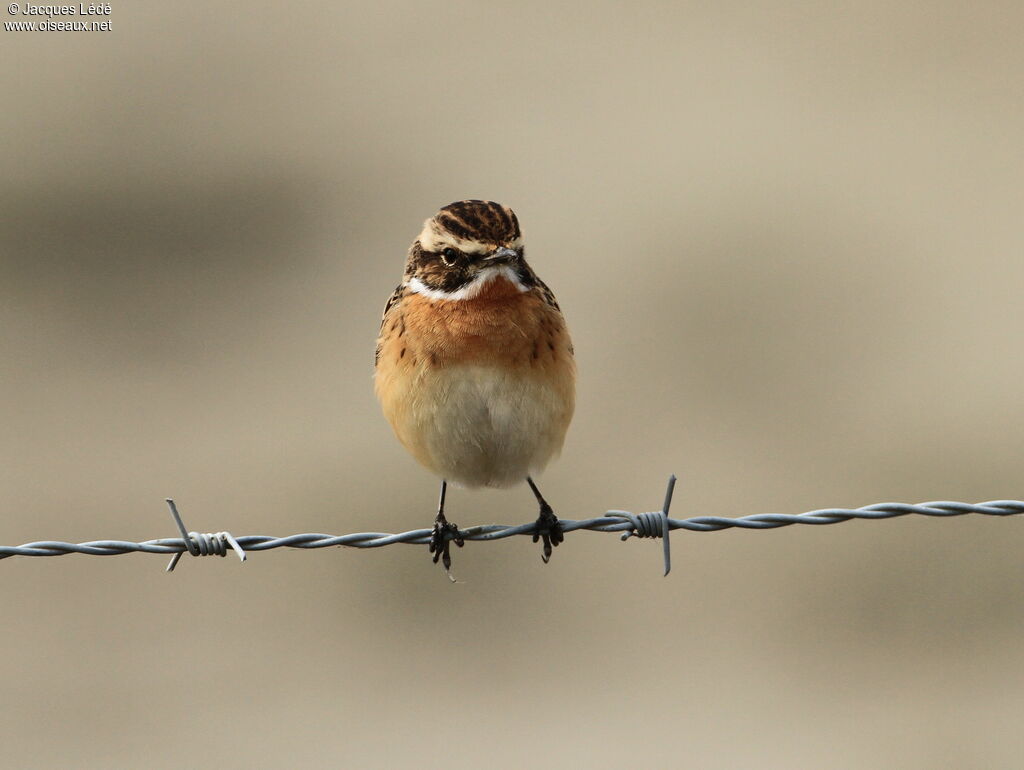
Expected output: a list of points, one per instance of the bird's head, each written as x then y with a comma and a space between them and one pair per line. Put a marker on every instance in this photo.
465, 246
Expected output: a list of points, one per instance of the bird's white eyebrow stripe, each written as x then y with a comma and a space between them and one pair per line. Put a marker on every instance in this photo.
471, 289
432, 238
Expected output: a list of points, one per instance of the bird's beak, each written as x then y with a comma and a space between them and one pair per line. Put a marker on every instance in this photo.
503, 255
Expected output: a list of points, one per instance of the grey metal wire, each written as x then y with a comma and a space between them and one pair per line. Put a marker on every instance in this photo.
656, 524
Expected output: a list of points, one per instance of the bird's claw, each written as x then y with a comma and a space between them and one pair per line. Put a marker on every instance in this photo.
441, 538
548, 529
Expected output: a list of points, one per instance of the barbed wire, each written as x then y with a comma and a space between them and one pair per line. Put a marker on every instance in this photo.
651, 524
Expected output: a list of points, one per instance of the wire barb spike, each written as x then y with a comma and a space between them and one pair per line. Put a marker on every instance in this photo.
199, 544
654, 524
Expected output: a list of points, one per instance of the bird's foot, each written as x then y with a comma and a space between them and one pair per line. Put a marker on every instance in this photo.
441, 538
548, 529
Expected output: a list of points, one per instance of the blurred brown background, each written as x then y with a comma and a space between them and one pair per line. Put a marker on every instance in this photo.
787, 237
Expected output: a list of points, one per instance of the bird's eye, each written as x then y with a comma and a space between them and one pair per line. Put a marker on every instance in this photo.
449, 256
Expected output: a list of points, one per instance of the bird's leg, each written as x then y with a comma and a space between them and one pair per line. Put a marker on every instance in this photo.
443, 534
547, 526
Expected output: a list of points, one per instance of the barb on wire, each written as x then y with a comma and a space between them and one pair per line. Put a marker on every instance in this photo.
631, 525
215, 543
652, 524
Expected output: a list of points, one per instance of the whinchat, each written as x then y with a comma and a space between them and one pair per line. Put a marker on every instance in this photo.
474, 365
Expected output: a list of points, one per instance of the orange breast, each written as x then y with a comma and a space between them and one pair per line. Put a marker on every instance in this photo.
500, 325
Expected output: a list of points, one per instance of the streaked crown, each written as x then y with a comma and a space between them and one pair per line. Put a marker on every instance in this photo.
481, 223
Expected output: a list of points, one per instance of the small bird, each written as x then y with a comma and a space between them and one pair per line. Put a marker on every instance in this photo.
474, 365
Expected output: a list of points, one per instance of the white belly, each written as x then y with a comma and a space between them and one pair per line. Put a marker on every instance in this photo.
479, 425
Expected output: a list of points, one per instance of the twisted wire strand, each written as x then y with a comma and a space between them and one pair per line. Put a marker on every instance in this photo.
613, 521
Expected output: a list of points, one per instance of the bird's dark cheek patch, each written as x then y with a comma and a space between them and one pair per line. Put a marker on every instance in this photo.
447, 279
525, 276
454, 280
